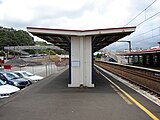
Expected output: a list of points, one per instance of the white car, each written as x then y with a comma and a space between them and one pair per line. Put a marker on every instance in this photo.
28, 75
6, 90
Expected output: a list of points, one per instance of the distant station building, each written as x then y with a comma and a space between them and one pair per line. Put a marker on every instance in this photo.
81, 44
147, 58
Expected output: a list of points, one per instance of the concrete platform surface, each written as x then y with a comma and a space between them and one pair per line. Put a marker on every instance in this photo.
51, 99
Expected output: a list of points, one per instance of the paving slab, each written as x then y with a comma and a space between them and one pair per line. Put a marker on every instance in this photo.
51, 99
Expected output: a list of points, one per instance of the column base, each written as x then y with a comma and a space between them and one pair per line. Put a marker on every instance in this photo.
72, 85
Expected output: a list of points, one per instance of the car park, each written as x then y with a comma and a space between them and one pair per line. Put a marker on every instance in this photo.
28, 75
14, 79
6, 90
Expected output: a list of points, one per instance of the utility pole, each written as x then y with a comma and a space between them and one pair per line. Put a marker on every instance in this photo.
159, 44
130, 49
129, 42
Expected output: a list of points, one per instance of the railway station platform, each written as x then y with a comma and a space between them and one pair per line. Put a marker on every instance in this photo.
51, 99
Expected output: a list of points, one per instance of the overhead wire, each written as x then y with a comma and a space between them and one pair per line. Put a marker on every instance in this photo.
148, 18
144, 10
147, 32
141, 12
143, 39
145, 21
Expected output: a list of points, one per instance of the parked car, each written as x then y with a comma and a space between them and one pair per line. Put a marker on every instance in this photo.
6, 90
13, 79
28, 75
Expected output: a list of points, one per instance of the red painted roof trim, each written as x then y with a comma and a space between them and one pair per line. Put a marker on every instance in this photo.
36, 28
142, 51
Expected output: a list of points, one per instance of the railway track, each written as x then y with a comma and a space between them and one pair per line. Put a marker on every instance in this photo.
149, 79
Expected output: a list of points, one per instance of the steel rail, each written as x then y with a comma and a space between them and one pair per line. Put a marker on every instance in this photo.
146, 78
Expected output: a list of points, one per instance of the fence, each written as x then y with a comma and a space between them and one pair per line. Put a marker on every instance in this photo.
43, 70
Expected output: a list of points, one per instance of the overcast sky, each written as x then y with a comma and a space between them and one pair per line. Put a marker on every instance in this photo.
81, 14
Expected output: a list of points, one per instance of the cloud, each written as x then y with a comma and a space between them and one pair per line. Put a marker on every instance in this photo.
80, 14
147, 34
41, 13
76, 14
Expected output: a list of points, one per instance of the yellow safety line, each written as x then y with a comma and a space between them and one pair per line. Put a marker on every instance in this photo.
133, 100
121, 95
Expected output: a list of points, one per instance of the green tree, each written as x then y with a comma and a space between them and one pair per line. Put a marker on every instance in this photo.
98, 55
12, 37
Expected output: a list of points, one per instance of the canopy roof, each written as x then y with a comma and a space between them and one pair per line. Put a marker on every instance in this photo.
141, 52
100, 37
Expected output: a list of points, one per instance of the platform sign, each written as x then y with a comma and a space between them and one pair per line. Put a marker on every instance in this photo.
75, 63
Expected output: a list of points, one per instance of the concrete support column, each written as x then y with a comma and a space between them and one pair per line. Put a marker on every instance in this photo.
144, 60
151, 60
158, 59
81, 61
138, 59
133, 59
128, 59
88, 61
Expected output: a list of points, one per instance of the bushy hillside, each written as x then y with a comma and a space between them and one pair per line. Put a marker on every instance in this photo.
12, 37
